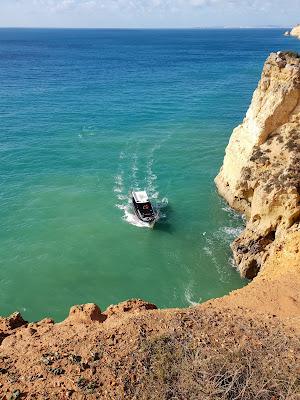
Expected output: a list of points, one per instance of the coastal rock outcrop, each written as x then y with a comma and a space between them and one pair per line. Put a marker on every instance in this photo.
260, 176
295, 31
9, 324
129, 306
276, 288
85, 313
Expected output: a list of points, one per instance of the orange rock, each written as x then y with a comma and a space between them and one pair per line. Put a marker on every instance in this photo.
129, 306
86, 313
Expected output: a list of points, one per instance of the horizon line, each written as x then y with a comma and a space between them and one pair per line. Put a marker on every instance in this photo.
149, 28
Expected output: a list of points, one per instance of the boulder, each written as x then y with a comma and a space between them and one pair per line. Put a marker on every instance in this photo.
86, 313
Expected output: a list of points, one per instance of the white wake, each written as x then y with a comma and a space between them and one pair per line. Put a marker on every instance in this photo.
131, 167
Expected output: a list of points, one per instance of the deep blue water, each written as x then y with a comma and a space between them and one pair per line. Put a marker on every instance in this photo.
87, 115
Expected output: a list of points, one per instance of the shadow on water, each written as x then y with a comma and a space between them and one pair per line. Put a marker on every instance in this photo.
164, 222
164, 227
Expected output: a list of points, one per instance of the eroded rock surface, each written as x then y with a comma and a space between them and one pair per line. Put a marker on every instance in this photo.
295, 31
260, 176
85, 313
129, 306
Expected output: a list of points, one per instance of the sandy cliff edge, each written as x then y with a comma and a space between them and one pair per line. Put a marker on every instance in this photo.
245, 344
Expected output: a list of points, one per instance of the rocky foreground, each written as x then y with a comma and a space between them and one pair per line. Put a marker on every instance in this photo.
243, 346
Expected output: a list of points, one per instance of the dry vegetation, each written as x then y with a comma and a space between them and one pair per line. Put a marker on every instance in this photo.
205, 353
209, 352
262, 366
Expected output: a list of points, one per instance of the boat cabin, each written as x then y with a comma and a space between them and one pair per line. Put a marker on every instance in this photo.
142, 206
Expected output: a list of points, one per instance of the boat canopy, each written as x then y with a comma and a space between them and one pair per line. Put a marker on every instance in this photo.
140, 197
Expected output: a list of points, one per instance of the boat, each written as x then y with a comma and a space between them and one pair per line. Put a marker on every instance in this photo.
143, 207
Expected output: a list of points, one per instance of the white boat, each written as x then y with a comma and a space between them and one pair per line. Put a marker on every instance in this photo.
143, 207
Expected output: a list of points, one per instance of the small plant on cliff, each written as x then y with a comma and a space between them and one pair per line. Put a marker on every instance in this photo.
291, 53
259, 156
291, 145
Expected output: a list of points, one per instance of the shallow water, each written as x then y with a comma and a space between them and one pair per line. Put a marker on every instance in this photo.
88, 115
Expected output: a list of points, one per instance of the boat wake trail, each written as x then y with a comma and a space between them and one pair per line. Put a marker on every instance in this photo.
136, 172
126, 180
132, 219
150, 177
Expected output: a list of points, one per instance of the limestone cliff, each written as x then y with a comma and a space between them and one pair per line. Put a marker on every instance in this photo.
260, 176
295, 31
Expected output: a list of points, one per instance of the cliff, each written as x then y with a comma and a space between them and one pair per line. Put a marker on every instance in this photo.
242, 346
260, 176
133, 351
295, 31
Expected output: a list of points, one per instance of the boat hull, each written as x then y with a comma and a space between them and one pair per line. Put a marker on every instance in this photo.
150, 222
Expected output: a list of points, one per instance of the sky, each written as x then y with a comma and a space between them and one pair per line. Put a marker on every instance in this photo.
148, 13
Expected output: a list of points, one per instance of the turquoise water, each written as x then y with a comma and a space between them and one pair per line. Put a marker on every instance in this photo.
88, 115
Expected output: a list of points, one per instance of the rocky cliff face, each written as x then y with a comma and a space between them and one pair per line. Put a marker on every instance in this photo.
260, 176
295, 31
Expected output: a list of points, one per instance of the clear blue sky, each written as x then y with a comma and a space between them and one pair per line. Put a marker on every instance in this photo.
148, 13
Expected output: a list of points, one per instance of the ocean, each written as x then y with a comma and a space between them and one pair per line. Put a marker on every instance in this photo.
88, 115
